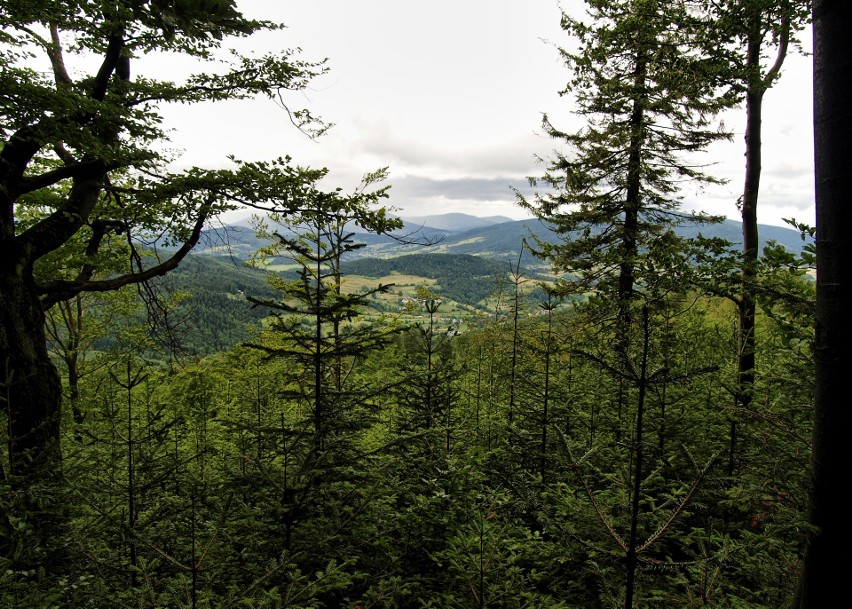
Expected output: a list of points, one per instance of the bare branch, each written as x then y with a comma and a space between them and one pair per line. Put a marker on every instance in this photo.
60, 74
783, 43
54, 291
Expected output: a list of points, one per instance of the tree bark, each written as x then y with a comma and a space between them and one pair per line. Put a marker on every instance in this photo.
757, 86
751, 240
822, 582
632, 553
30, 395
33, 387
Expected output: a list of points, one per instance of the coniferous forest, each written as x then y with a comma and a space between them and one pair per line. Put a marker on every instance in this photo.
623, 416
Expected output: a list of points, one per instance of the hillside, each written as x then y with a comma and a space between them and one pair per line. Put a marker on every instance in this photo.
216, 315
464, 267
502, 241
463, 278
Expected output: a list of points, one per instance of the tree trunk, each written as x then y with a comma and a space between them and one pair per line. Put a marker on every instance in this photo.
629, 242
751, 247
513, 365
746, 308
31, 399
632, 554
545, 414
30, 379
822, 582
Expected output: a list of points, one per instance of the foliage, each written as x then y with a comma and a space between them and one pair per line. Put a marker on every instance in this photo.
87, 184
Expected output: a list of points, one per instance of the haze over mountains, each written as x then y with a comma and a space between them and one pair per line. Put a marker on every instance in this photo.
496, 237
456, 222
465, 257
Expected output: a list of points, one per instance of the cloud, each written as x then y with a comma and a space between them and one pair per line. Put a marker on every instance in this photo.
789, 172
466, 189
513, 155
453, 106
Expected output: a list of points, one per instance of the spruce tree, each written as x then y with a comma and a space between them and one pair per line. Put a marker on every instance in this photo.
649, 95
649, 98
317, 330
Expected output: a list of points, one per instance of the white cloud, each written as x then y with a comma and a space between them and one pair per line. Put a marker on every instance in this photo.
449, 95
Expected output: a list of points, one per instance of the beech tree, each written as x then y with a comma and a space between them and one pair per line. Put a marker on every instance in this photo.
66, 137
82, 166
757, 36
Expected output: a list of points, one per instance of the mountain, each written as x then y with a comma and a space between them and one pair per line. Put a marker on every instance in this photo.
464, 266
732, 231
231, 240
496, 238
454, 222
503, 241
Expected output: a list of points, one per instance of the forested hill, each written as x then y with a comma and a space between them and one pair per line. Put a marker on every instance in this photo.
502, 241
215, 314
465, 266
464, 278
427, 265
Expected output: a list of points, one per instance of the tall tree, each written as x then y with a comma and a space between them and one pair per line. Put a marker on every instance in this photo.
331, 400
81, 160
821, 582
314, 319
65, 138
648, 98
649, 94
760, 33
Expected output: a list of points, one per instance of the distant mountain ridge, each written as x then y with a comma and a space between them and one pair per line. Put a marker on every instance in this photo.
502, 241
495, 237
455, 222
464, 265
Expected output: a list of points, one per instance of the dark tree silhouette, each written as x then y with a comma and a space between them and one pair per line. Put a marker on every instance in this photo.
822, 582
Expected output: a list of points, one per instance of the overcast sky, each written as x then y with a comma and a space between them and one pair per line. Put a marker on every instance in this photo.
449, 95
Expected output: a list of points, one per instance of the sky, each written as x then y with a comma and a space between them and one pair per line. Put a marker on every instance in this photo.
449, 96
